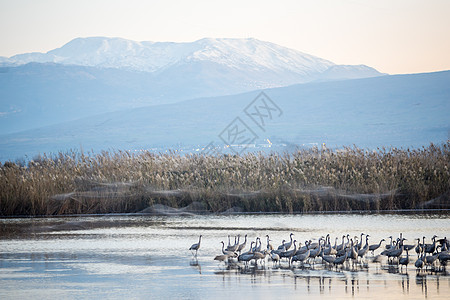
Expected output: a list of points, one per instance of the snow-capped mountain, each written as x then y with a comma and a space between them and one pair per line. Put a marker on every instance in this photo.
241, 54
245, 55
88, 76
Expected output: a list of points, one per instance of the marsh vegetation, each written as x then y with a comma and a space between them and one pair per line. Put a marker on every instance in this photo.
303, 181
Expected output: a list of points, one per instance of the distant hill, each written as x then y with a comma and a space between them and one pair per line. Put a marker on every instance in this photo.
397, 110
89, 76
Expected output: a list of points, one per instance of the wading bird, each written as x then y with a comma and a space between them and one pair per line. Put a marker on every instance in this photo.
275, 258
419, 248
430, 248
288, 244
340, 260
404, 261
225, 251
224, 257
419, 263
289, 254
232, 248
429, 260
196, 246
242, 246
374, 247
269, 245
301, 257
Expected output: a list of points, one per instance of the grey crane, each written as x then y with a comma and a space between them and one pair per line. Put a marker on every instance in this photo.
229, 243
225, 257
275, 258
269, 245
290, 253
430, 248
259, 256
315, 245
303, 249
282, 246
222, 257
359, 245
419, 247
391, 244
374, 247
329, 259
196, 246
444, 257
314, 253
394, 253
242, 246
404, 261
288, 245
430, 259
408, 247
232, 248
257, 247
225, 251
250, 250
330, 250
352, 253
335, 243
278, 251
419, 263
247, 256
444, 244
341, 246
365, 249
302, 256
340, 260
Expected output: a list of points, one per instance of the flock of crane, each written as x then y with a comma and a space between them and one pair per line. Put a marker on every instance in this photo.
349, 251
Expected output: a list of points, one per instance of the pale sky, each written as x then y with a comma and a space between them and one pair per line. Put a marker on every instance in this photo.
393, 36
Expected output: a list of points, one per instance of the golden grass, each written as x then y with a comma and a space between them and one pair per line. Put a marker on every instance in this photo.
307, 180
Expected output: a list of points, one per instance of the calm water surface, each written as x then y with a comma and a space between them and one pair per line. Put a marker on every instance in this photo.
119, 257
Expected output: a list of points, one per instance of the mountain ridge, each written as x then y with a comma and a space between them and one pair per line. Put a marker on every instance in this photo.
88, 76
392, 111
146, 56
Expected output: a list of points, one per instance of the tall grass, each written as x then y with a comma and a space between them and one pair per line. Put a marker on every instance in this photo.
307, 180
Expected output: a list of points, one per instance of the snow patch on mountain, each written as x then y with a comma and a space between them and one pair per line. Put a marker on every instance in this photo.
241, 54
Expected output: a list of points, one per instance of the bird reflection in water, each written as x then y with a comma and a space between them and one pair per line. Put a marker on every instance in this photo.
421, 280
195, 264
345, 266
405, 283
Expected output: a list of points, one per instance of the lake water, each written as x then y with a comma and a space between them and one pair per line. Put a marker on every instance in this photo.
135, 257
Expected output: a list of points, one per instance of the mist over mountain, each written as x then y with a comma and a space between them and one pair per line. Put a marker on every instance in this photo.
90, 76
398, 111
111, 93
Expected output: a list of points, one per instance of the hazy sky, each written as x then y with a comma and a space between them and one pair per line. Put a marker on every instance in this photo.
404, 36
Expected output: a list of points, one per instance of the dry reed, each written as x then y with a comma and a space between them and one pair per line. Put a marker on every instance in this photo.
307, 180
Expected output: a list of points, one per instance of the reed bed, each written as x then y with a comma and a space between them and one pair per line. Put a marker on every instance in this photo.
306, 180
